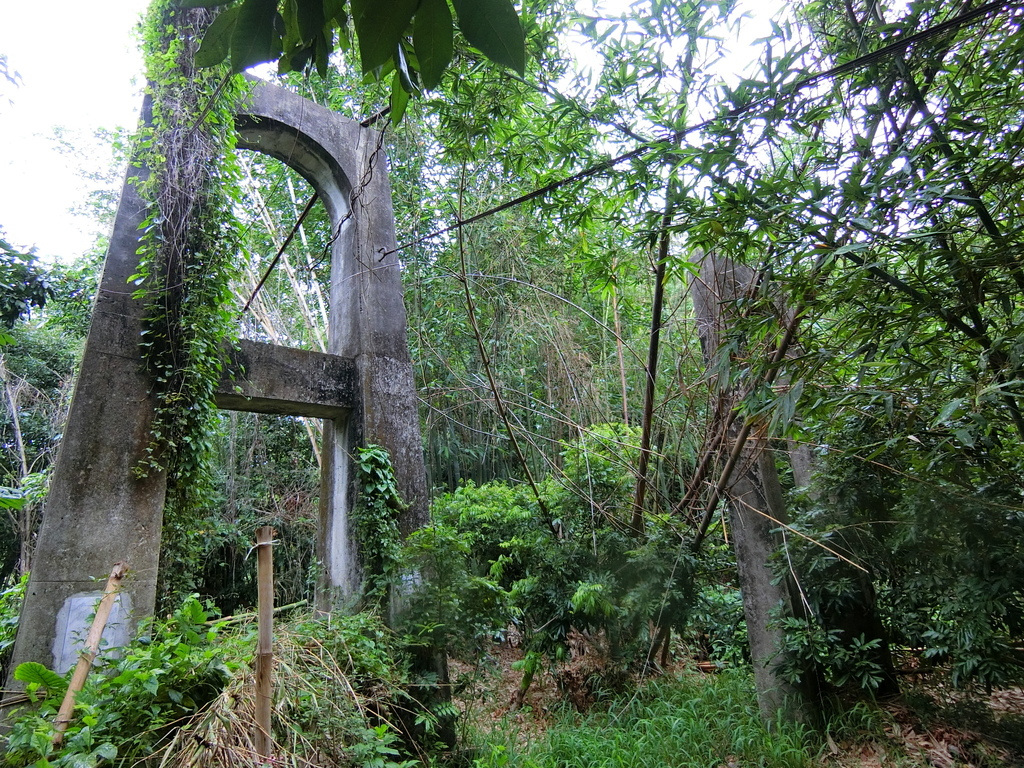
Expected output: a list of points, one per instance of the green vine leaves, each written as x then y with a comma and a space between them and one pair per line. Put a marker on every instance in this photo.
187, 254
410, 40
376, 517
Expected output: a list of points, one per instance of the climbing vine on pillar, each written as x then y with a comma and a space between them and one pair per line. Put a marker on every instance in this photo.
376, 518
188, 240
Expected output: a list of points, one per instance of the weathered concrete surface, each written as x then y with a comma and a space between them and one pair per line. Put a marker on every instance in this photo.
97, 511
346, 166
265, 378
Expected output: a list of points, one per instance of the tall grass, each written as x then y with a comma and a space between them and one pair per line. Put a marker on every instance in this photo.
678, 721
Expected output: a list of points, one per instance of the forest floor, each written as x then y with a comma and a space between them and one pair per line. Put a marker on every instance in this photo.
931, 724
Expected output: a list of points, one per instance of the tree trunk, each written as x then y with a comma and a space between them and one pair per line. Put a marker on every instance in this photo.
855, 616
664, 239
756, 510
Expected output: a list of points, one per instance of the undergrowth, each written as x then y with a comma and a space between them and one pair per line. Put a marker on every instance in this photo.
679, 720
182, 695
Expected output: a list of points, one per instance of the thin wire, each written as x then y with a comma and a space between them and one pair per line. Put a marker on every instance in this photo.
280, 251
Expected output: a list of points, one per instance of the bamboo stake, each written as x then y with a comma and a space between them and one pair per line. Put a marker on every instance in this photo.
92, 647
264, 645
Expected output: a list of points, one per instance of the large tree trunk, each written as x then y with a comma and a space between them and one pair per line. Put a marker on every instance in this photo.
856, 615
756, 510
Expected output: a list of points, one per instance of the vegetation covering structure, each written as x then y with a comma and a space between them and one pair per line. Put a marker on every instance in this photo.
868, 172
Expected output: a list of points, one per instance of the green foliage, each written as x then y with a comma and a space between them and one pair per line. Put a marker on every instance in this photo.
11, 498
375, 519
23, 284
411, 41
844, 661
74, 289
883, 209
11, 599
35, 374
181, 693
717, 626
129, 708
882, 218
493, 27
188, 253
598, 470
944, 559
264, 472
957, 585
674, 721
452, 602
36, 677
344, 691
499, 557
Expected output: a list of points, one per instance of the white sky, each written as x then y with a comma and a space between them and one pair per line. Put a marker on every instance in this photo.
80, 67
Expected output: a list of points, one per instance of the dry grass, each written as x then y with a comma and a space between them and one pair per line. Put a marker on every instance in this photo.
330, 709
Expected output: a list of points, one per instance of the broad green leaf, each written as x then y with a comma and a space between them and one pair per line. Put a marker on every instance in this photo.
11, 498
106, 750
380, 25
80, 761
42, 744
294, 59
334, 12
292, 37
432, 40
217, 40
965, 437
296, 53
322, 47
402, 68
493, 27
310, 15
255, 39
34, 672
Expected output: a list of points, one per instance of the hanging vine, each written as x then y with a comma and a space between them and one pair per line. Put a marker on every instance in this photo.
188, 240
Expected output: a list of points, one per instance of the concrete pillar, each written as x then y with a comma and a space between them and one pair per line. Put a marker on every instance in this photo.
98, 512
755, 502
346, 165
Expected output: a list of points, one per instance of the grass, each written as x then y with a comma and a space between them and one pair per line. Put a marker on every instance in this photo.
678, 721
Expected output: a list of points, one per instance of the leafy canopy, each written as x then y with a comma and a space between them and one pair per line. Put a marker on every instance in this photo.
23, 284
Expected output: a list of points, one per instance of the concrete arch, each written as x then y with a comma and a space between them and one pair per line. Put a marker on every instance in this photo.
98, 513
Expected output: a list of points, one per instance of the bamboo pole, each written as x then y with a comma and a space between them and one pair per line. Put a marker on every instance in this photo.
92, 647
264, 644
